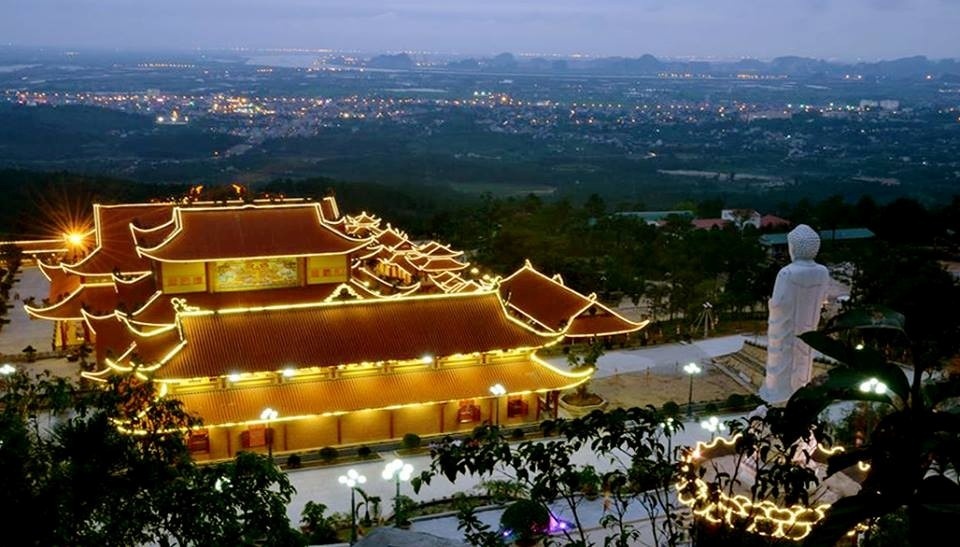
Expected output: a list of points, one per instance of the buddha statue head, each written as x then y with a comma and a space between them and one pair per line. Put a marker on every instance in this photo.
803, 243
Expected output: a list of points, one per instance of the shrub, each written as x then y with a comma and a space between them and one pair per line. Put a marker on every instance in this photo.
736, 400
411, 440
502, 491
364, 452
671, 409
548, 427
526, 519
294, 461
319, 528
406, 507
517, 434
329, 453
711, 408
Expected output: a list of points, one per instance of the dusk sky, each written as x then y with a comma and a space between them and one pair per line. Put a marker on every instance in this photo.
836, 29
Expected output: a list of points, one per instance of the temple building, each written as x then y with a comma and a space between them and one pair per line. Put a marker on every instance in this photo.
345, 329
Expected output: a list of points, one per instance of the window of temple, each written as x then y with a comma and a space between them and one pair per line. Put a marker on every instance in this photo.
469, 412
255, 436
199, 441
516, 406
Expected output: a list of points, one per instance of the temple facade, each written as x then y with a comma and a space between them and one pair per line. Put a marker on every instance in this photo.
291, 325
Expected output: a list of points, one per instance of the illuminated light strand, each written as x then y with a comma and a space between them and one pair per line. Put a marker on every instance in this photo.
44, 313
149, 252
765, 517
584, 377
97, 207
482, 395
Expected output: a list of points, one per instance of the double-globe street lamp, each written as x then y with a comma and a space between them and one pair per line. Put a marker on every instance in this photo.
267, 415
398, 471
497, 390
713, 425
692, 369
351, 480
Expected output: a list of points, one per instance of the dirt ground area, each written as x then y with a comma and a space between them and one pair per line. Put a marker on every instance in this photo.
661, 384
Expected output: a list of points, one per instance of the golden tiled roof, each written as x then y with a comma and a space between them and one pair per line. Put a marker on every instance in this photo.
113, 337
602, 324
554, 305
115, 250
97, 299
250, 231
159, 311
545, 300
346, 333
295, 400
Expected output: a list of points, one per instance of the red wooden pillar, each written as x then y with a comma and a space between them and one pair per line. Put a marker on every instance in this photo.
442, 407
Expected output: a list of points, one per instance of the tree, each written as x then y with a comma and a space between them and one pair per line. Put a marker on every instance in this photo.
581, 358
631, 449
110, 466
319, 528
911, 451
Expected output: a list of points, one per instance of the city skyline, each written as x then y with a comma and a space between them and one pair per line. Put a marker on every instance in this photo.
851, 31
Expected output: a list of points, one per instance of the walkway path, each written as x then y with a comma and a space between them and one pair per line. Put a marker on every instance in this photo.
320, 485
638, 360
24, 331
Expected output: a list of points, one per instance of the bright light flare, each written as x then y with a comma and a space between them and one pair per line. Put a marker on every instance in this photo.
352, 478
74, 238
873, 386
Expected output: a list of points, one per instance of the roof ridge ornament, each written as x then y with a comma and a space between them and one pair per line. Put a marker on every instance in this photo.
180, 305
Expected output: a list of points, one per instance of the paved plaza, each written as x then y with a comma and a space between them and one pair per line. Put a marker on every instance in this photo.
22, 331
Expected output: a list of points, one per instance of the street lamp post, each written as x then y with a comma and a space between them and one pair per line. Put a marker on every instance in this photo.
351, 480
398, 471
5, 372
267, 415
498, 391
713, 425
691, 369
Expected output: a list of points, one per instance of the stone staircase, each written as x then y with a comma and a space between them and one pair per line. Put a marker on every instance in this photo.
749, 364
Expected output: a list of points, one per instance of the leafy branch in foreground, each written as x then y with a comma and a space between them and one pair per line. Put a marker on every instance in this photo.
631, 448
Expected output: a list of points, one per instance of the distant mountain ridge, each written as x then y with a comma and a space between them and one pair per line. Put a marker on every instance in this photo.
918, 66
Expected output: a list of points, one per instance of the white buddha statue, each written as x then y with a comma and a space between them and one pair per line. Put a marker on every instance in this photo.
795, 306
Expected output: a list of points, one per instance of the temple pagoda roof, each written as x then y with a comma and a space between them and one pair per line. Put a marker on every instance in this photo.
115, 250
96, 298
61, 282
160, 311
149, 237
249, 232
545, 300
134, 292
296, 400
344, 333
34, 247
113, 336
605, 322
552, 304
392, 238
329, 211
437, 250
429, 264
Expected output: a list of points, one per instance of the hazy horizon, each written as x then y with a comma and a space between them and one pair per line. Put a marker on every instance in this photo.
723, 29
